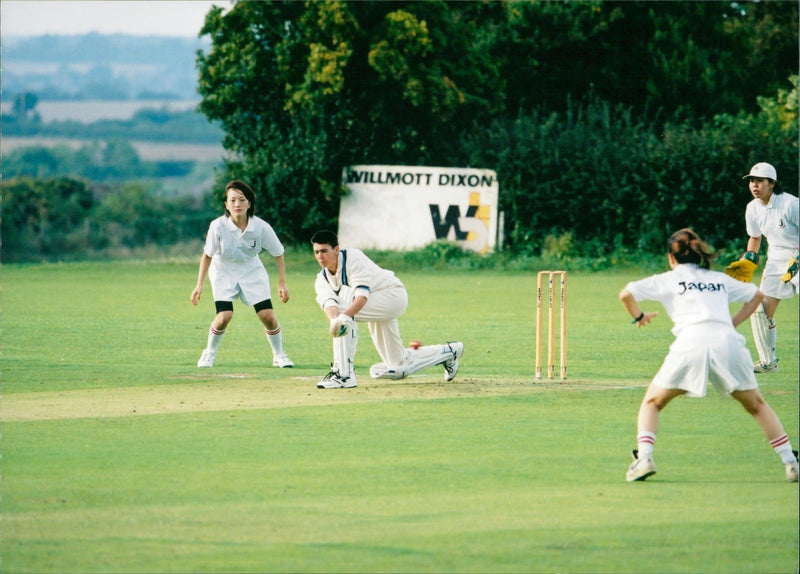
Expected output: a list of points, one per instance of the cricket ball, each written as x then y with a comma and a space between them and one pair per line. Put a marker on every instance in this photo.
414, 343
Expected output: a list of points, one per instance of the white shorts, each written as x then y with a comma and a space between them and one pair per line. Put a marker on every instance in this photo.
251, 287
773, 286
708, 353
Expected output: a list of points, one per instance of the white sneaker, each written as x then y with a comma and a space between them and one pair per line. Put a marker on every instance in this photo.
792, 472
451, 365
335, 381
207, 359
641, 468
283, 361
760, 367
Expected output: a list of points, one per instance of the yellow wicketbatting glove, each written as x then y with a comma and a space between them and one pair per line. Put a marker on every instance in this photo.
792, 271
742, 270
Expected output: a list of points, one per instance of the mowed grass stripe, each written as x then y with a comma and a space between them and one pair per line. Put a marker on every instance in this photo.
130, 325
124, 457
517, 483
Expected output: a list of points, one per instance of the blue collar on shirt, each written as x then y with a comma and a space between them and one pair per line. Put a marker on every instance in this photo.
344, 268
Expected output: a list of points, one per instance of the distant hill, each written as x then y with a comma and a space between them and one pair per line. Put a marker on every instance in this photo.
99, 66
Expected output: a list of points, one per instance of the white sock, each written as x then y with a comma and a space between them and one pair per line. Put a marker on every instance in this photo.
784, 449
275, 340
646, 442
214, 339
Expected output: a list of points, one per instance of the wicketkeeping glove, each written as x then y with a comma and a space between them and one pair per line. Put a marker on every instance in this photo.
341, 325
742, 270
792, 271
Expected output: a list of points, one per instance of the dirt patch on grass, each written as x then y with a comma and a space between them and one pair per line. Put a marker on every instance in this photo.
231, 392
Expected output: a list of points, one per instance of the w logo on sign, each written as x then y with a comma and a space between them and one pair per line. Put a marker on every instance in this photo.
472, 230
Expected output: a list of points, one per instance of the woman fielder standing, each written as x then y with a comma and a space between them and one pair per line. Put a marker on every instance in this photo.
230, 258
706, 347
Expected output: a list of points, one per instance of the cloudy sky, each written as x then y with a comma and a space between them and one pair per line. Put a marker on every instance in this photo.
136, 17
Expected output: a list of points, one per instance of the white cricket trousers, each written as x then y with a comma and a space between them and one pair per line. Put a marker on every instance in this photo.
384, 307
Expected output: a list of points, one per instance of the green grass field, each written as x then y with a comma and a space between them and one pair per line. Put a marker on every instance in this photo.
119, 455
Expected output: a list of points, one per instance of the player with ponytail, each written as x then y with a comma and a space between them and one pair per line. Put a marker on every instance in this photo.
706, 347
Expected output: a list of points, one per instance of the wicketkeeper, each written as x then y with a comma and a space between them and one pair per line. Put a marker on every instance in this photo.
351, 288
772, 214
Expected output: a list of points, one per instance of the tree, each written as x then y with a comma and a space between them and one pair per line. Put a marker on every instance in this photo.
699, 58
302, 90
42, 216
133, 216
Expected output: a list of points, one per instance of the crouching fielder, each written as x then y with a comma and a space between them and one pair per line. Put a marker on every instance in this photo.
352, 289
706, 347
230, 259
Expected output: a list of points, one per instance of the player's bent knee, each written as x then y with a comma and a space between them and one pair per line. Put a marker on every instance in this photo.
383, 371
752, 401
223, 306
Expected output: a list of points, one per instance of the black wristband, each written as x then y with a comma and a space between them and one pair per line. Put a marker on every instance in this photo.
639, 318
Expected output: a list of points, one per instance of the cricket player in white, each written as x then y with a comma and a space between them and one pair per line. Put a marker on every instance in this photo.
706, 347
351, 288
772, 214
230, 259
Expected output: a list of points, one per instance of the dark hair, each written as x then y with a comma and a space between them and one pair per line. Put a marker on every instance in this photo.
246, 190
687, 247
777, 188
325, 237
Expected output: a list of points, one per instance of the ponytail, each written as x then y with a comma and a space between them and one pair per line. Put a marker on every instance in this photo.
687, 247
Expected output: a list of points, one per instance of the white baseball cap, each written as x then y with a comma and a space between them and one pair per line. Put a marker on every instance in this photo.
762, 170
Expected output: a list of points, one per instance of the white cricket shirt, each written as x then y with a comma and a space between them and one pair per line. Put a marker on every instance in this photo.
355, 272
692, 295
235, 252
777, 221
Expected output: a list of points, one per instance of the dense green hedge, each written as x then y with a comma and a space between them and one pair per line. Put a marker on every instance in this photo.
66, 218
613, 181
609, 123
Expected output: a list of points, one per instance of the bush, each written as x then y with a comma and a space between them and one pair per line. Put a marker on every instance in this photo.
614, 182
66, 218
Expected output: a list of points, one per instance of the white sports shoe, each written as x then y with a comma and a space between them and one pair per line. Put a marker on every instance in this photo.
641, 468
283, 361
451, 365
792, 472
334, 380
760, 367
207, 359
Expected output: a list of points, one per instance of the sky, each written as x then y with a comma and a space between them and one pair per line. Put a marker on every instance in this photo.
136, 17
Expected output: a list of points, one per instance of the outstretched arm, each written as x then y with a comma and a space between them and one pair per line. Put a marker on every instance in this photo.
342, 323
640, 318
748, 308
358, 303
